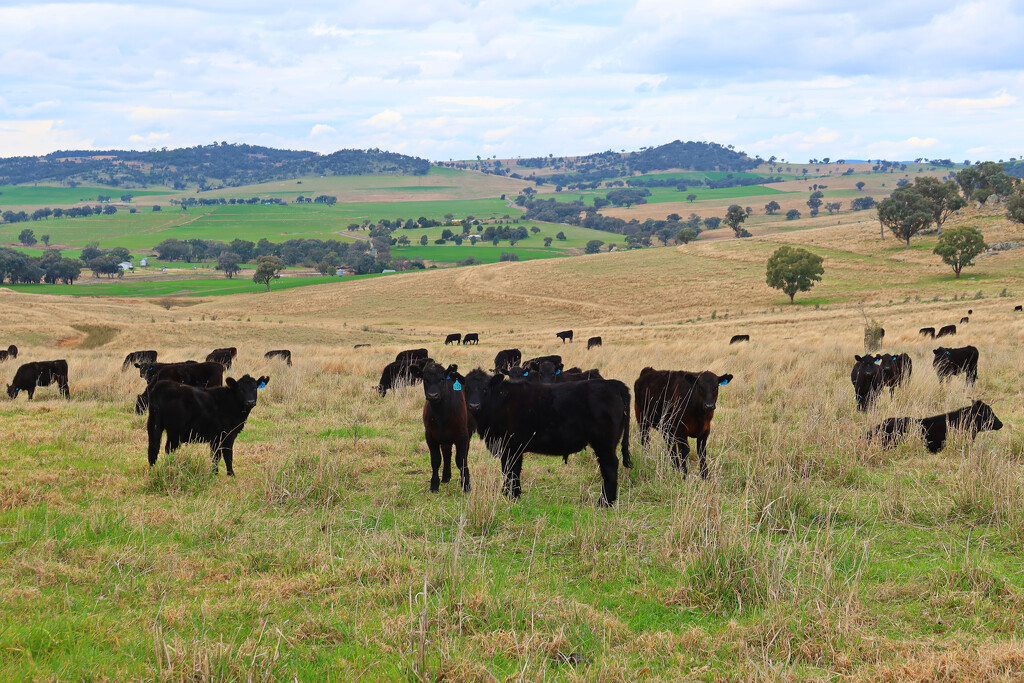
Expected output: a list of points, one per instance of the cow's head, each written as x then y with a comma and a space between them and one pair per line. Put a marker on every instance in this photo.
436, 378
478, 385
983, 418
12, 391
549, 372
705, 388
246, 388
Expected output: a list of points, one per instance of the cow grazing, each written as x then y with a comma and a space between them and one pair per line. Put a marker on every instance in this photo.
518, 417
446, 422
896, 369
593, 342
40, 374
680, 405
398, 374
138, 357
223, 356
970, 311
567, 335
977, 417
202, 375
946, 331
867, 379
4, 355
964, 319
193, 415
410, 355
737, 338
12, 352
453, 339
534, 363
361, 346
1018, 308
507, 359
927, 332
471, 338
962, 361
283, 354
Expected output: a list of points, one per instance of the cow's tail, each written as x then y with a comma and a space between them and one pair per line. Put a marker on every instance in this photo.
626, 460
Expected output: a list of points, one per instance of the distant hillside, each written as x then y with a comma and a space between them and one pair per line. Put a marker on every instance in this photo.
204, 166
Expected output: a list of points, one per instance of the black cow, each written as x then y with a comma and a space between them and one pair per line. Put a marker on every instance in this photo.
41, 373
964, 319
360, 346
518, 417
867, 379
138, 357
453, 339
564, 335
977, 417
927, 332
410, 355
736, 338
962, 361
896, 369
970, 311
534, 363
593, 342
202, 375
223, 356
680, 405
471, 338
193, 415
12, 352
446, 422
399, 373
1018, 308
4, 355
507, 359
946, 331
283, 354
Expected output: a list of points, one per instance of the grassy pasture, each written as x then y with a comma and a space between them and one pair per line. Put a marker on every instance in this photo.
808, 555
54, 195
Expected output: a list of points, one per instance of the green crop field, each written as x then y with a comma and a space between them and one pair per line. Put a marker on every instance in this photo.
47, 195
450, 253
221, 286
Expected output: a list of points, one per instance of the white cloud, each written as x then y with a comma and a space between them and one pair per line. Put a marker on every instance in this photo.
385, 119
321, 129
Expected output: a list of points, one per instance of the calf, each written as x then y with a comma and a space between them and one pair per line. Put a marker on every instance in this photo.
593, 342
453, 339
202, 375
896, 369
1018, 308
946, 331
410, 355
977, 417
962, 361
223, 356
564, 335
507, 359
927, 332
12, 352
964, 319
193, 415
867, 379
534, 363
4, 355
283, 354
518, 417
471, 338
736, 338
138, 357
680, 405
40, 374
398, 374
446, 422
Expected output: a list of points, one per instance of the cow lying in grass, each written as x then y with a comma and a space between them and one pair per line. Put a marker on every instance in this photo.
977, 417
193, 415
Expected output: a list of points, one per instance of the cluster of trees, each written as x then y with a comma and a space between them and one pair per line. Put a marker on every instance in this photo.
51, 267
47, 212
206, 166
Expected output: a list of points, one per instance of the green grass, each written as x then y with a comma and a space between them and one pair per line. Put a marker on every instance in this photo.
48, 195
189, 287
450, 253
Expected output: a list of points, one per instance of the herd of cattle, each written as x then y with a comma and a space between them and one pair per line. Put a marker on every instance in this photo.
536, 406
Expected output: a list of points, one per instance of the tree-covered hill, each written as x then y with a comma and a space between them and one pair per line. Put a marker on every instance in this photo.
203, 166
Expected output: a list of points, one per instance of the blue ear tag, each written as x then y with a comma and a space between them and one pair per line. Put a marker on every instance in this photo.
457, 386
723, 382
261, 385
877, 361
526, 374
558, 371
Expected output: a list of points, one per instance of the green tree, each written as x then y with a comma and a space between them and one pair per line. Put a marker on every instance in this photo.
691, 197
771, 207
27, 237
267, 268
46, 240
793, 269
792, 215
905, 213
815, 202
594, 246
228, 262
959, 246
860, 185
547, 241
560, 236
944, 197
734, 217
423, 240
686, 235
1015, 206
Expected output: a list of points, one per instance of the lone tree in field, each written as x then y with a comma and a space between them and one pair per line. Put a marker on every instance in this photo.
944, 197
959, 246
27, 237
734, 217
771, 207
793, 270
228, 262
860, 185
691, 197
905, 213
267, 268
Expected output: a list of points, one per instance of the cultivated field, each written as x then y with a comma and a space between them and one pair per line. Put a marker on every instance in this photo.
808, 554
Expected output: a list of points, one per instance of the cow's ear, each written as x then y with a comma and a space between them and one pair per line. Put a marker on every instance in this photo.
878, 360
496, 381
858, 358
937, 351
230, 382
452, 369
724, 379
262, 382
558, 370
416, 371
690, 377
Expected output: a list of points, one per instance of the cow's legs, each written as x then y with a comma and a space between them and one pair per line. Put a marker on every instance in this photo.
608, 465
435, 465
155, 431
64, 390
680, 453
702, 453
512, 468
462, 462
446, 473
229, 455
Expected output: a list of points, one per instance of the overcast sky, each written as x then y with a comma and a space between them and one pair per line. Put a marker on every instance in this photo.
444, 79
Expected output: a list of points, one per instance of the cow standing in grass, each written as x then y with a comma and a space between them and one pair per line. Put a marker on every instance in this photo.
40, 374
867, 380
138, 357
447, 423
